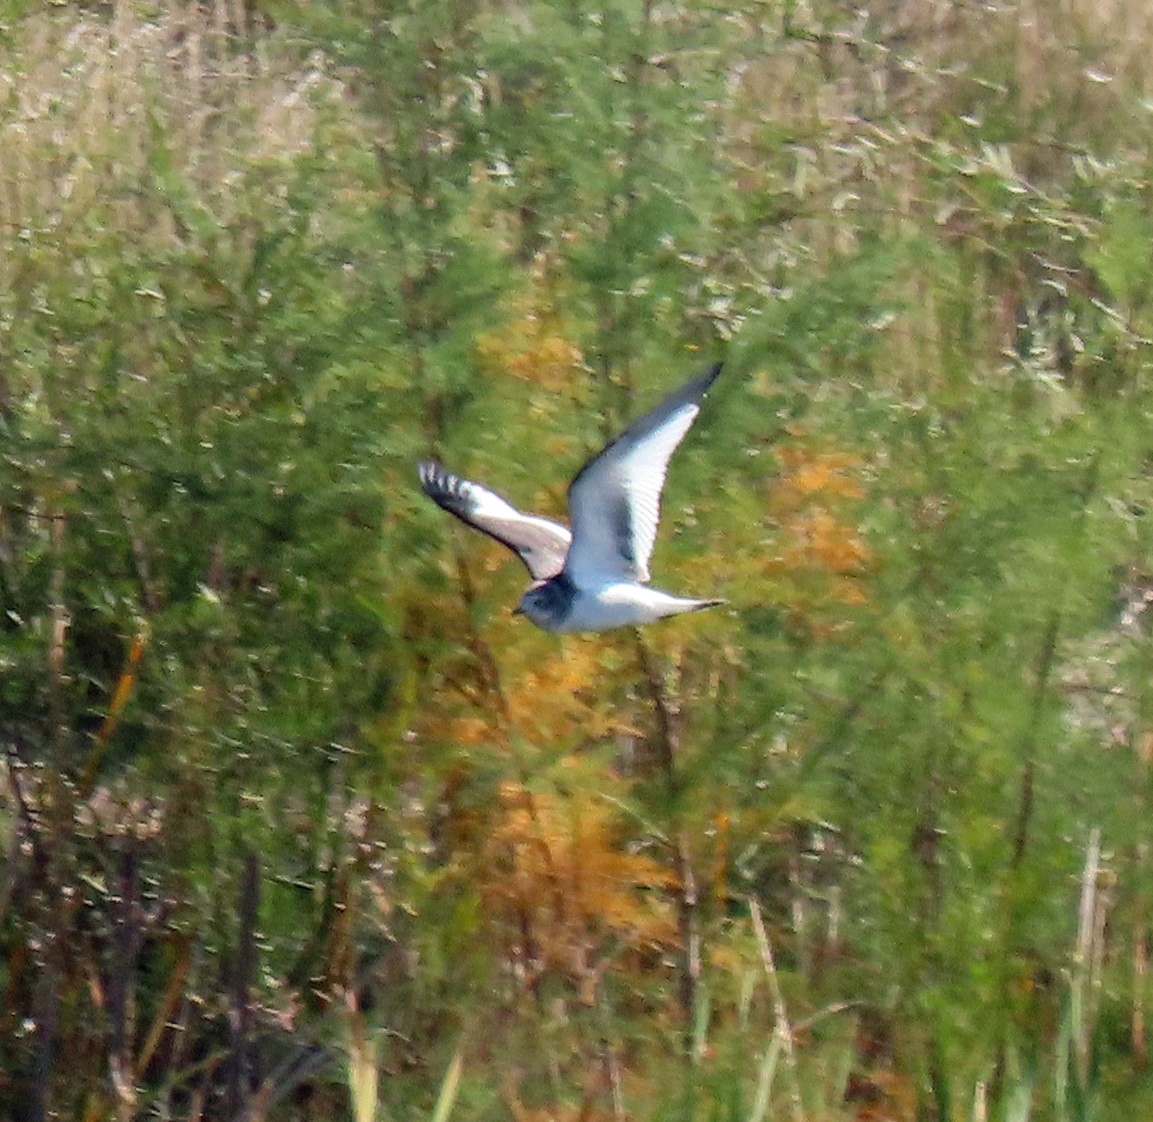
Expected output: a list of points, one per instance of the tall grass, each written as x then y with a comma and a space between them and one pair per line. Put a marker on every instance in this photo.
259, 738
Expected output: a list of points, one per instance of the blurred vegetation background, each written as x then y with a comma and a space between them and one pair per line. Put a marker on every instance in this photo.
298, 823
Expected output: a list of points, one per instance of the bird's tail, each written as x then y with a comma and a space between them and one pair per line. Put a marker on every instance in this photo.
699, 604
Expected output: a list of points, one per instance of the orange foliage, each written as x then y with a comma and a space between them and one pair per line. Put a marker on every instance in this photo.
818, 543
821, 555
551, 698
568, 893
533, 347
546, 701
808, 473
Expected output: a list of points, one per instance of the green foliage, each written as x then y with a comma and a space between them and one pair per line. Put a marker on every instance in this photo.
299, 823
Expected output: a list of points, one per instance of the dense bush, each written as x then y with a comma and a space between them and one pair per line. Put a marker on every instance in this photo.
298, 822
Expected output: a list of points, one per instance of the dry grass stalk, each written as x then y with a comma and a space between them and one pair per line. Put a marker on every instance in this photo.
92, 108
363, 1049
1087, 961
783, 1033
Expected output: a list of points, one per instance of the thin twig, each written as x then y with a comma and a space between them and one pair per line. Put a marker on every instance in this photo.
243, 969
1083, 958
29, 817
780, 1013
688, 923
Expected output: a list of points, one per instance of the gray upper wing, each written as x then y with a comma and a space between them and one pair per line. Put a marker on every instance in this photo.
542, 545
615, 500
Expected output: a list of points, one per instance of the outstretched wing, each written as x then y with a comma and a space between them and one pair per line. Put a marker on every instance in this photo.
615, 500
542, 545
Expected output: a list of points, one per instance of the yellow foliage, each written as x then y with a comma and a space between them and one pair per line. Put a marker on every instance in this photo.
549, 700
569, 894
817, 541
533, 348
806, 473
820, 556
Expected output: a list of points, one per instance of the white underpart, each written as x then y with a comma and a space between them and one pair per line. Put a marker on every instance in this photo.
488, 504
632, 471
622, 604
593, 579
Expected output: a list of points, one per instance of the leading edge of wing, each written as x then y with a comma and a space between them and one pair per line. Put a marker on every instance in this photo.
691, 393
614, 501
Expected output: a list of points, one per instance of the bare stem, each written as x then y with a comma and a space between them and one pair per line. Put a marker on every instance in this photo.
782, 1028
688, 921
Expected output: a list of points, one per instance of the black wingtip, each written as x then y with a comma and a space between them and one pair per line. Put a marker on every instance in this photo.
445, 489
448, 491
433, 477
708, 604
702, 383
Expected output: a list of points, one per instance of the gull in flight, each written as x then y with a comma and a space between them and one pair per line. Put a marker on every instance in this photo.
596, 576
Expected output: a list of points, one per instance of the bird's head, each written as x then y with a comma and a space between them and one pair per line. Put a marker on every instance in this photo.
537, 605
546, 603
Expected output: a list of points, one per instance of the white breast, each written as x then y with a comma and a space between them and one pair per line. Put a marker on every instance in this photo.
621, 605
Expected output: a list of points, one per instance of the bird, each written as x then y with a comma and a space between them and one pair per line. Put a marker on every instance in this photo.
594, 577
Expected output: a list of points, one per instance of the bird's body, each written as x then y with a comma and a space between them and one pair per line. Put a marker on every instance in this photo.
593, 578
557, 605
